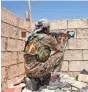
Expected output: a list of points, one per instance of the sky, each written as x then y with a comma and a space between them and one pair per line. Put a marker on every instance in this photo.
52, 10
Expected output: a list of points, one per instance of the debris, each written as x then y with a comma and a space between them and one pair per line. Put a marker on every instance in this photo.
83, 76
47, 90
84, 89
84, 72
79, 84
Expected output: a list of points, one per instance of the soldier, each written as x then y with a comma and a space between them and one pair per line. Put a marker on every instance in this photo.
43, 54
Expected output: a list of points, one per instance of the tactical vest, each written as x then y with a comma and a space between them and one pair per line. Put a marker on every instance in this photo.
38, 48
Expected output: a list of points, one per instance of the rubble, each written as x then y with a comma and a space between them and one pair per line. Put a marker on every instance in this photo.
59, 82
83, 76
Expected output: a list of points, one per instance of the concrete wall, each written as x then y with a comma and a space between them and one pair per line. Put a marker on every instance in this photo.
12, 44
76, 54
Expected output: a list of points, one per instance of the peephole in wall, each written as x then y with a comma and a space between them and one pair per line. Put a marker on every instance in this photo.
23, 34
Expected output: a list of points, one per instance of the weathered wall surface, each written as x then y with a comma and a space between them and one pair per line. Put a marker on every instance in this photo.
12, 65
76, 54
12, 44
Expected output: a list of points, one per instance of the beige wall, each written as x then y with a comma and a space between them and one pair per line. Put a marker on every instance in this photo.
12, 44
12, 68
76, 54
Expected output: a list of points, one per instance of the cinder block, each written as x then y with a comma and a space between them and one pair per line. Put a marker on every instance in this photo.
20, 45
20, 57
21, 68
73, 74
12, 45
3, 14
3, 73
85, 54
73, 55
77, 23
3, 86
3, 44
15, 45
13, 32
78, 44
58, 24
83, 77
13, 71
64, 66
12, 81
14, 58
12, 19
6, 58
82, 33
33, 25
9, 31
9, 17
78, 65
24, 24
5, 28
22, 76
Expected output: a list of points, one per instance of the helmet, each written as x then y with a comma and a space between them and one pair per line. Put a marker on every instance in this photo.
44, 22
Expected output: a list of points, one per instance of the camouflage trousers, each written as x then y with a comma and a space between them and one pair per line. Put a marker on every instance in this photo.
34, 68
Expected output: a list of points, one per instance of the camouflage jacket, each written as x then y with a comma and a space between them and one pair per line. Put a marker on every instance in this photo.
45, 60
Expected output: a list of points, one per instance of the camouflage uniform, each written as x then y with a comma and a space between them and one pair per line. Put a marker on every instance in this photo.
43, 62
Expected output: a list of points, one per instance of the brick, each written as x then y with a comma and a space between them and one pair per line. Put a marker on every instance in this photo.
64, 66
6, 58
78, 44
58, 24
77, 23
73, 55
3, 74
85, 54
3, 44
13, 71
20, 57
82, 33
3, 87
12, 45
21, 68
78, 65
